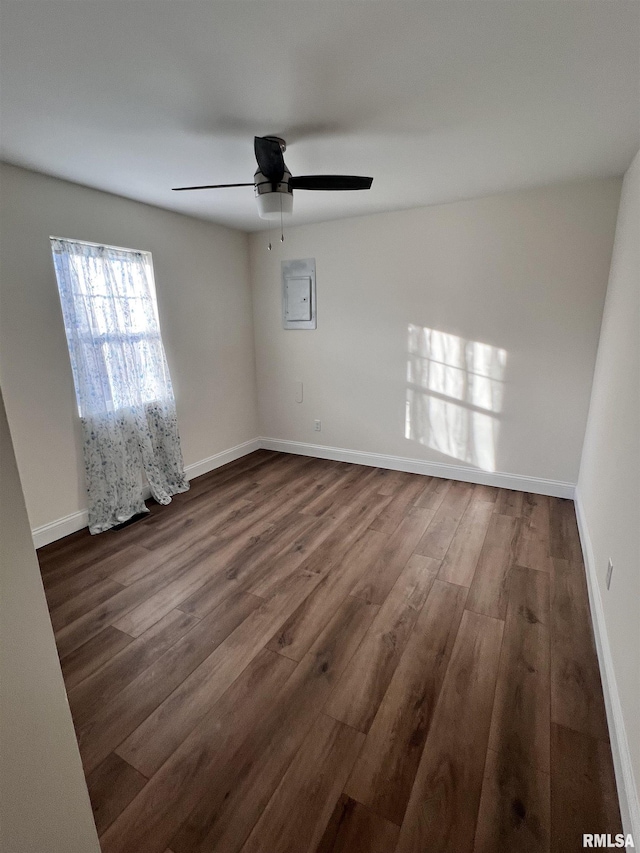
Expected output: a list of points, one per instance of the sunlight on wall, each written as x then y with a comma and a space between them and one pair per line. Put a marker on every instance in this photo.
454, 395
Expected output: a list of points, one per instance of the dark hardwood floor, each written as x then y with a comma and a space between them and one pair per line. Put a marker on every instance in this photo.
305, 655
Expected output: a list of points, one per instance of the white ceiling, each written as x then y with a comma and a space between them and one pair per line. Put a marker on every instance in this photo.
437, 100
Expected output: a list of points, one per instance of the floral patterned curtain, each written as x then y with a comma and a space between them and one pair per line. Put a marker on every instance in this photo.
123, 388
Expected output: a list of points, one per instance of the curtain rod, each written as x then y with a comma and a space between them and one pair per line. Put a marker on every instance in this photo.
100, 245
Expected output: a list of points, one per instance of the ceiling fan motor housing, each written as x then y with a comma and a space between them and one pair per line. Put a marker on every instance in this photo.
272, 202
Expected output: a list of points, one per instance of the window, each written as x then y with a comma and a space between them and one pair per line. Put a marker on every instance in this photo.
123, 388
112, 327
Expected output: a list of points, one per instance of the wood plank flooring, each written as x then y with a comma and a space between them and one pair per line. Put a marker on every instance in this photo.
306, 656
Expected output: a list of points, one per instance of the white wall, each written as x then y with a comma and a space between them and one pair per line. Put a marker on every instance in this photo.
203, 293
524, 273
608, 493
44, 805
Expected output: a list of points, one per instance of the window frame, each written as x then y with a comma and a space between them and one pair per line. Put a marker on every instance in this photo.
145, 336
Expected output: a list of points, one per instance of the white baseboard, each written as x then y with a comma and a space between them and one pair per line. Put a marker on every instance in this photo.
78, 520
627, 790
517, 482
197, 469
59, 528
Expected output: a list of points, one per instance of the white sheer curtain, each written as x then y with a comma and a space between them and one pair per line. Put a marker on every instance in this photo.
123, 388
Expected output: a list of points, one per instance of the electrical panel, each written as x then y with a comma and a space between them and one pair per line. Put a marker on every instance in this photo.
299, 294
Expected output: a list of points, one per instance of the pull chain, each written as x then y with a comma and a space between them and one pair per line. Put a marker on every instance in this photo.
281, 222
269, 245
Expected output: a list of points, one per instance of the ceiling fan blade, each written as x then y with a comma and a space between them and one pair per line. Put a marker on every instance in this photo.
269, 157
212, 187
330, 182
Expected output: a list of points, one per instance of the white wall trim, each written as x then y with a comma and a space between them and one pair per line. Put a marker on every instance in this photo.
197, 469
556, 488
627, 789
59, 528
78, 520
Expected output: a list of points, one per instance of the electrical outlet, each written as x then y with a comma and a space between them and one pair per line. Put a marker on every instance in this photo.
609, 572
317, 425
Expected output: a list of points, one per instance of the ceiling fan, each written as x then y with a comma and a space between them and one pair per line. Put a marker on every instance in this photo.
274, 183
